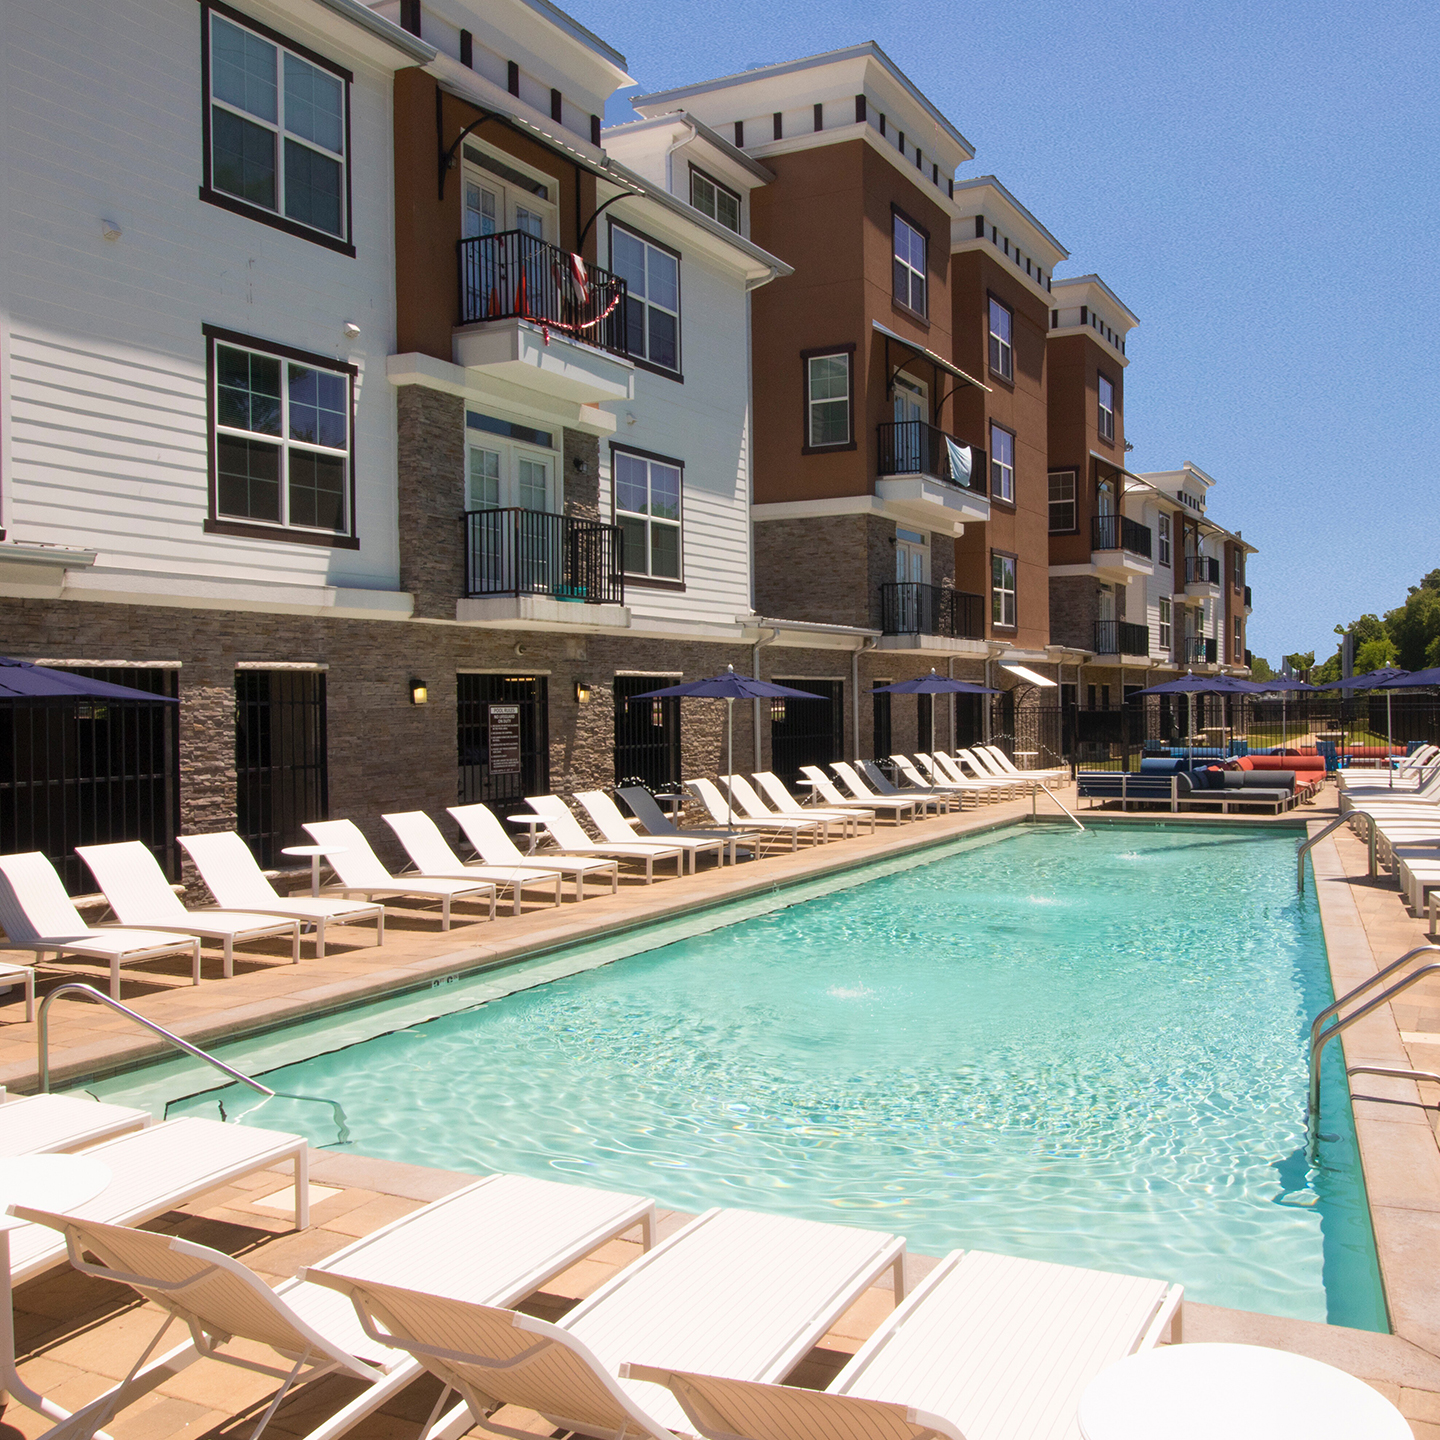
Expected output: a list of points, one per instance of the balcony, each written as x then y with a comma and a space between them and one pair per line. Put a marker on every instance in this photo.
550, 572
920, 479
1197, 650
1120, 637
912, 615
1202, 577
1120, 548
1247, 599
527, 317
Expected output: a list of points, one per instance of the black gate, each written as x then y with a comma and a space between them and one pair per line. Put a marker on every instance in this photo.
807, 732
881, 704
281, 768
91, 772
502, 784
647, 734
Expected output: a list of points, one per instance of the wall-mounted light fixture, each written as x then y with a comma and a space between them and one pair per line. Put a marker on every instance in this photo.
582, 465
419, 693
582, 692
351, 329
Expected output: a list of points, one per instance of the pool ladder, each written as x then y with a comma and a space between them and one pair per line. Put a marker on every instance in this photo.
1321, 1034
42, 1043
1312, 841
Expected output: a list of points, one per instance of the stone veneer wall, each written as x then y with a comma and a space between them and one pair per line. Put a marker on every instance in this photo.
814, 569
580, 482
1074, 609
430, 454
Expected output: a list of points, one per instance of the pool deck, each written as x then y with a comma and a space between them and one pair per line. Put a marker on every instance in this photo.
76, 1335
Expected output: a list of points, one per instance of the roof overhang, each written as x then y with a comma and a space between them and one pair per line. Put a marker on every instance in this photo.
938, 361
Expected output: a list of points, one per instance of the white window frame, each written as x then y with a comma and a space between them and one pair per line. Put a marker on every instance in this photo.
904, 265
283, 528
698, 180
1163, 628
1002, 346
512, 197
1163, 531
677, 371
1106, 412
1070, 477
510, 453
1003, 566
340, 239
1237, 651
1002, 473
618, 514
811, 402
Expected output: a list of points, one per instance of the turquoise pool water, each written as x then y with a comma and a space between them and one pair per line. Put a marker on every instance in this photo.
1084, 1048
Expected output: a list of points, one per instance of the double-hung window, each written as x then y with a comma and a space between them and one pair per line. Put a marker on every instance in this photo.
1062, 502
277, 130
1002, 464
718, 201
1164, 626
281, 433
1163, 526
827, 400
910, 247
652, 317
647, 510
1002, 590
1002, 332
1237, 651
1107, 408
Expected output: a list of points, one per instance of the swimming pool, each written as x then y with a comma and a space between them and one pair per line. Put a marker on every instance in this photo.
1079, 1047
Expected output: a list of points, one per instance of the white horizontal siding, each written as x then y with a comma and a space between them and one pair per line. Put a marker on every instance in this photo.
100, 117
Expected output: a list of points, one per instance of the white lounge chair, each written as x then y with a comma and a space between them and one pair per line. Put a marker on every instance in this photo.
25, 975
517, 1234
897, 807
937, 785
954, 769
733, 1293
229, 870
875, 785
432, 856
755, 811
37, 915
152, 1171
140, 895
786, 804
58, 1124
1006, 766
721, 812
988, 1348
654, 822
359, 872
494, 846
615, 829
570, 839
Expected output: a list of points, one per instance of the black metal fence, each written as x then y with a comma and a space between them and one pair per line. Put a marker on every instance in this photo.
908, 608
1119, 532
281, 759
911, 447
647, 734
82, 772
503, 756
515, 275
1202, 570
531, 552
1121, 637
807, 732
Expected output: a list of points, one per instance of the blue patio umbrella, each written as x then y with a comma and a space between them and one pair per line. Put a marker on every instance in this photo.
1385, 678
933, 684
20, 679
1406, 679
728, 687
1191, 684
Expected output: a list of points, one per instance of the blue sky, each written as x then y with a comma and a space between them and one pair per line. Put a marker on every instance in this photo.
1257, 183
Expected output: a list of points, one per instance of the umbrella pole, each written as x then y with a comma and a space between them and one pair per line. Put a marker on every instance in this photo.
730, 763
1389, 743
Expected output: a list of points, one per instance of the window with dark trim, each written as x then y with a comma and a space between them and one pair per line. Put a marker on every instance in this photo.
651, 272
282, 438
1163, 615
828, 381
1062, 502
1002, 464
646, 493
710, 197
1002, 331
276, 129
1106, 389
911, 244
1002, 590
1163, 533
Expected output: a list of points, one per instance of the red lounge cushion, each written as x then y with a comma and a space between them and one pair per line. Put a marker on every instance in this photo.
1245, 763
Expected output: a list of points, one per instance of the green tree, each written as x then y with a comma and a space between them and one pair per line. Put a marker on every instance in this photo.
1260, 668
1416, 624
1330, 670
1374, 654
1300, 660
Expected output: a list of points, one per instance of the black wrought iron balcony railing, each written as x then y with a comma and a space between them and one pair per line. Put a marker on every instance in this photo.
1249, 659
514, 275
908, 608
530, 552
1196, 650
1121, 637
1247, 597
1202, 570
910, 447
1119, 532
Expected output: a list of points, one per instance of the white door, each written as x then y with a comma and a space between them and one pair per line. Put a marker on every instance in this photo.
912, 414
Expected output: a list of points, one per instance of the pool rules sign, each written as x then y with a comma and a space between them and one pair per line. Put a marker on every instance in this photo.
504, 739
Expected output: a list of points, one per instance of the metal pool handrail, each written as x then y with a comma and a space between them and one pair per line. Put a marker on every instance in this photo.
1034, 799
42, 1043
1309, 844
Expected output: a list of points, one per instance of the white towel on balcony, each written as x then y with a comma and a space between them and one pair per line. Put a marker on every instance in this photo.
959, 462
